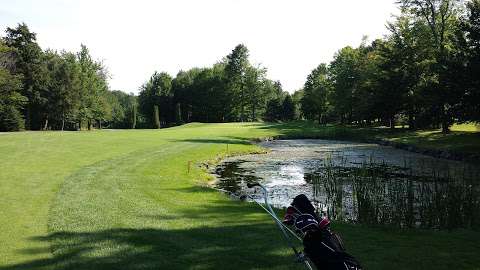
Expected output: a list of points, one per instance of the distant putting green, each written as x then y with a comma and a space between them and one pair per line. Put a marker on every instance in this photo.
128, 200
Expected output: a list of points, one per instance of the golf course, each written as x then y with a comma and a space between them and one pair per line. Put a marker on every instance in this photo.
195, 135
140, 199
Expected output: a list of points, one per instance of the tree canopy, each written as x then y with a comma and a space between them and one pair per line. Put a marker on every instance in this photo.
231, 90
424, 74
46, 89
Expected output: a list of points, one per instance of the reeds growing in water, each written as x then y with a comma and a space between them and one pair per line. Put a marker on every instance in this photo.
413, 195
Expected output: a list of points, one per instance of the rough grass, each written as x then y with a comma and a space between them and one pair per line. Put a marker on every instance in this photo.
125, 200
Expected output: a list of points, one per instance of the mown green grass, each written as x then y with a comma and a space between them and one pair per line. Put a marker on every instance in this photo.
125, 200
469, 127
462, 138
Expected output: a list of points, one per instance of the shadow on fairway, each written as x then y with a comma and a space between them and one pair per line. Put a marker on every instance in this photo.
199, 248
232, 237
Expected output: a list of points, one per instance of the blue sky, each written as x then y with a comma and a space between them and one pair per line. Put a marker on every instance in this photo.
135, 38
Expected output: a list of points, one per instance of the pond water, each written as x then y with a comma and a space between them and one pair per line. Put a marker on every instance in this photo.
360, 183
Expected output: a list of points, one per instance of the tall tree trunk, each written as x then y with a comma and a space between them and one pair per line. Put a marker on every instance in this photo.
63, 121
445, 122
156, 116
45, 126
134, 120
178, 114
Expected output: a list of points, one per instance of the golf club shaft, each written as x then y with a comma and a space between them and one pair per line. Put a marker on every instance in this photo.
276, 219
281, 226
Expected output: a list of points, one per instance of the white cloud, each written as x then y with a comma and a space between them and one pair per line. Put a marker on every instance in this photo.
135, 38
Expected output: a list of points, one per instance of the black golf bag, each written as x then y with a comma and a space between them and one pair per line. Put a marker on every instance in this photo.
321, 245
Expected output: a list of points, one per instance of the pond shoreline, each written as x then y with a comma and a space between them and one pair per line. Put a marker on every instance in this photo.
443, 154
357, 182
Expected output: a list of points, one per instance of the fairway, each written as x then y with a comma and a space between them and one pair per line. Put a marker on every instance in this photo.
126, 200
117, 193
156, 152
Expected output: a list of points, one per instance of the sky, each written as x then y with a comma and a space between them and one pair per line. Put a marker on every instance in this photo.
136, 38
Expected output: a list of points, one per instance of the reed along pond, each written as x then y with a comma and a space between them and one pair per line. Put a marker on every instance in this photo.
360, 183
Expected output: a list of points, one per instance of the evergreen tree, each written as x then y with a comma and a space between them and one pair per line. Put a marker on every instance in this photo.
274, 110
156, 100
28, 62
11, 102
11, 99
236, 69
288, 109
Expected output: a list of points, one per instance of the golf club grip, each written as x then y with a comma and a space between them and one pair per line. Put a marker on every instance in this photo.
250, 185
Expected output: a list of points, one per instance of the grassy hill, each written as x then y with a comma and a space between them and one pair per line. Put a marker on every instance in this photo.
126, 200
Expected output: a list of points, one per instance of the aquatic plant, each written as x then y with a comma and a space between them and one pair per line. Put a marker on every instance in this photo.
378, 193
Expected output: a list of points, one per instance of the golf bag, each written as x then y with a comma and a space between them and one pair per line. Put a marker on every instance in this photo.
321, 245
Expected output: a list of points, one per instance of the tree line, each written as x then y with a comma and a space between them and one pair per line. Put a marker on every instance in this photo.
50, 90
46, 89
424, 74
231, 90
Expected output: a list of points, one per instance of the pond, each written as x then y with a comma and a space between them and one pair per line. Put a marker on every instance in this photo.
360, 183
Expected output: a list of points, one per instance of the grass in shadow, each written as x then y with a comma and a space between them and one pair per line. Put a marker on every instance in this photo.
198, 248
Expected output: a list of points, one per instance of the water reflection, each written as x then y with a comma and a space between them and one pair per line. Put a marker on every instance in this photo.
379, 194
363, 183
234, 178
